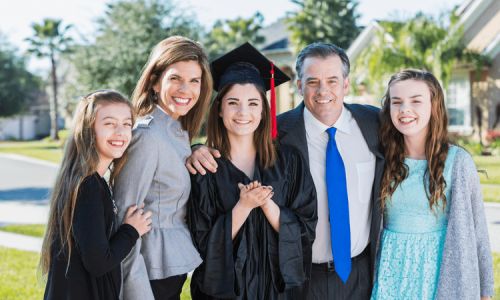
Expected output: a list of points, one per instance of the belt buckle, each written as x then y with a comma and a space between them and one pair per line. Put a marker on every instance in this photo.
330, 266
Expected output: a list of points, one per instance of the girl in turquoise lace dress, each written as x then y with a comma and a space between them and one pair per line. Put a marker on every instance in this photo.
418, 200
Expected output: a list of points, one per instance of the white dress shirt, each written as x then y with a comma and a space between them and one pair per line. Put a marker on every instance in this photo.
360, 172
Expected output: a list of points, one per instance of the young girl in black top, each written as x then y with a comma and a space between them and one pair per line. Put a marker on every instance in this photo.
83, 248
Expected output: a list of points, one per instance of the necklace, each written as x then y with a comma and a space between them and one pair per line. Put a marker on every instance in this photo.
115, 208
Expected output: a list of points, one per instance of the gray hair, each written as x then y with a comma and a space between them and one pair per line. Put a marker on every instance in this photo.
322, 50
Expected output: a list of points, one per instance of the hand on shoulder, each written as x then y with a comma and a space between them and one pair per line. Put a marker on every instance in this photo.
201, 159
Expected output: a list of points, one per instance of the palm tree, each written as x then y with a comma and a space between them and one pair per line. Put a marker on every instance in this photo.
421, 42
50, 40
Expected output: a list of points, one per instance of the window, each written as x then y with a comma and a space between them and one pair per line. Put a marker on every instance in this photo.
458, 103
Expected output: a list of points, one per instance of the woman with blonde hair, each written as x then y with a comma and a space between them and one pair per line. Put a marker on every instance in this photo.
171, 99
82, 249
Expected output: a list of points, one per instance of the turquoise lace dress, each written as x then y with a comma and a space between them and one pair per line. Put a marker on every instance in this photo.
413, 237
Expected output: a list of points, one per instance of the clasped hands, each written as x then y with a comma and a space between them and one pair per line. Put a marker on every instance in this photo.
255, 194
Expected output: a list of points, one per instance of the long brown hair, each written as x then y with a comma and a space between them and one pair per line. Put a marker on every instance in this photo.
217, 133
80, 160
167, 52
436, 144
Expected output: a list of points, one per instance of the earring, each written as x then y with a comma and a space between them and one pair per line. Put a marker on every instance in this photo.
155, 96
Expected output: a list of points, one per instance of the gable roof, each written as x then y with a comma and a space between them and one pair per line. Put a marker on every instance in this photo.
470, 13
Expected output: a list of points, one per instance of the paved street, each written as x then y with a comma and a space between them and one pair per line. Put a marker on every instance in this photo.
24, 188
492, 211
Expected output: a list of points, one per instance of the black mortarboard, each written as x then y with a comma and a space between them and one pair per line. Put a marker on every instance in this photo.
233, 67
245, 64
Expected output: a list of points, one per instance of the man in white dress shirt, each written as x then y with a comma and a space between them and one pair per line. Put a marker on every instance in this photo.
323, 81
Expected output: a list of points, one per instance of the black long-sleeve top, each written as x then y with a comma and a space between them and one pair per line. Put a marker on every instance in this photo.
98, 248
259, 263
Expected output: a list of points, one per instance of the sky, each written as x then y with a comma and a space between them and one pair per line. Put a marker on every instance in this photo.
17, 16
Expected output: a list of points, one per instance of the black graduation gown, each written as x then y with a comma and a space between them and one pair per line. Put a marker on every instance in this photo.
259, 263
98, 249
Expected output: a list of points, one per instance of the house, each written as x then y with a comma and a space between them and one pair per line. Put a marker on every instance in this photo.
472, 94
277, 48
472, 97
32, 124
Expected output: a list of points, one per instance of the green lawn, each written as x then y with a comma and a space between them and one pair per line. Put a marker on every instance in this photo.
45, 150
491, 192
19, 279
490, 164
36, 230
18, 275
490, 178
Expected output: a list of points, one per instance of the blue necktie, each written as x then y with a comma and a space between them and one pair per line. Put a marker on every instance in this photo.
338, 206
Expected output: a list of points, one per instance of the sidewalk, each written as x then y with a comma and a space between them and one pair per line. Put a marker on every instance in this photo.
20, 241
25, 185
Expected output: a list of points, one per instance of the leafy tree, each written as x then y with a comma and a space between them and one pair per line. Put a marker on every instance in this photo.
228, 34
50, 40
332, 21
420, 42
126, 35
17, 86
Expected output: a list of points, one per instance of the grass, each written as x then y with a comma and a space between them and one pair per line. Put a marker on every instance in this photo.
18, 275
490, 178
186, 292
36, 230
49, 151
19, 280
490, 164
45, 150
491, 192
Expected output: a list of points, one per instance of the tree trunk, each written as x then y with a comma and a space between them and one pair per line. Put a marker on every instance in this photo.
21, 129
54, 131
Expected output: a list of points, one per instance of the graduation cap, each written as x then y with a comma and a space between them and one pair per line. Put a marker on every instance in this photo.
245, 64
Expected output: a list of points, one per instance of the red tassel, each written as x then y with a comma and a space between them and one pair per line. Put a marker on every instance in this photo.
274, 125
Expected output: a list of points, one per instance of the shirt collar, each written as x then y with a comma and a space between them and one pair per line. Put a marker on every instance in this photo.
161, 109
343, 123
315, 127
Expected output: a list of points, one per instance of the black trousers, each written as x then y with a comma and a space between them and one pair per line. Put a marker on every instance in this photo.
169, 288
326, 284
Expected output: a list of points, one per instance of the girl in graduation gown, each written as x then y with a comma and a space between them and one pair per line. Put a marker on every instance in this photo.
253, 220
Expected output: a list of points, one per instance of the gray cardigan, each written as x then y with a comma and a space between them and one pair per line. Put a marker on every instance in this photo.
156, 176
466, 267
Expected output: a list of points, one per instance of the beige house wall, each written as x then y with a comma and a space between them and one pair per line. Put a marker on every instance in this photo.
485, 85
494, 94
286, 94
485, 94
